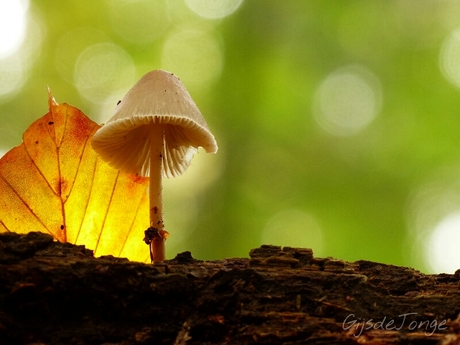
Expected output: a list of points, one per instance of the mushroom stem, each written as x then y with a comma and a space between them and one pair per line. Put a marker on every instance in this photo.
157, 245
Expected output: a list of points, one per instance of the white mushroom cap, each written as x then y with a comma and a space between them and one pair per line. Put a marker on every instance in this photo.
159, 97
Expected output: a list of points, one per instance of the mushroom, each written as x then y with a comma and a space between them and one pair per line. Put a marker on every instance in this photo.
155, 131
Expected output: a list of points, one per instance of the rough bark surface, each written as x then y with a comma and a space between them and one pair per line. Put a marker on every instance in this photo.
55, 293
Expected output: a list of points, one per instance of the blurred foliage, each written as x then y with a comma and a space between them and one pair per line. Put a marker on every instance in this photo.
363, 170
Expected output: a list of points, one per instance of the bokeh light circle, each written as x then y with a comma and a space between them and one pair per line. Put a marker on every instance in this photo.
13, 24
70, 46
103, 69
347, 101
12, 76
449, 59
15, 68
434, 221
443, 253
213, 9
195, 55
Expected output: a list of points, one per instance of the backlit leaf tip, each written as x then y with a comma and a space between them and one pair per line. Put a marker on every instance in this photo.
51, 101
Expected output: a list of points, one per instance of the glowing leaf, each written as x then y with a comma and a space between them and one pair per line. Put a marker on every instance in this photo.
55, 183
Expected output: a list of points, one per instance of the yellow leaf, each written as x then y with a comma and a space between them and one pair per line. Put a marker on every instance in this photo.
54, 182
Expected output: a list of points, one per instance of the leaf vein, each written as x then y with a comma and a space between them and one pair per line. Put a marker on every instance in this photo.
25, 203
107, 212
87, 202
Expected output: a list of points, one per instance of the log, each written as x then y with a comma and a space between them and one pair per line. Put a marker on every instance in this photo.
59, 293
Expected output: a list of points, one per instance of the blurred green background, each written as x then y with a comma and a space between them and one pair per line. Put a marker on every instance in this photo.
337, 121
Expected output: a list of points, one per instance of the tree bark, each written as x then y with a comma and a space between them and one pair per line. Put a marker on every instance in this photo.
58, 293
